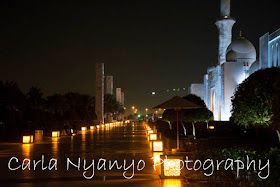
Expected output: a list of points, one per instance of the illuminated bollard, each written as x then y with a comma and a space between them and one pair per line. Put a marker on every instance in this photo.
84, 128
157, 146
152, 136
150, 132
27, 139
55, 133
38, 135
91, 127
171, 166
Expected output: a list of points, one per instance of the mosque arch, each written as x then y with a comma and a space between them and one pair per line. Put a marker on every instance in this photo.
272, 56
277, 55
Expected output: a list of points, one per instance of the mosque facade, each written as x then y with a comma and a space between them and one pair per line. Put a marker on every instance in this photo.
236, 61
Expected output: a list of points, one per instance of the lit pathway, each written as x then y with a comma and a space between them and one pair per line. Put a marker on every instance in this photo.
116, 143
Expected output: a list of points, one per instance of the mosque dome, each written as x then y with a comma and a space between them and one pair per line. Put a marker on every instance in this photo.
244, 49
231, 56
254, 67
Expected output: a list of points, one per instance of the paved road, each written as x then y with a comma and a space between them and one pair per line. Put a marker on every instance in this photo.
125, 142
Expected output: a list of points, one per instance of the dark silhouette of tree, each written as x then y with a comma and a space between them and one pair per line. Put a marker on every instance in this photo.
111, 105
12, 105
191, 115
34, 107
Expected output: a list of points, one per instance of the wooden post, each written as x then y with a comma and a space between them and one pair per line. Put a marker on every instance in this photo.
178, 141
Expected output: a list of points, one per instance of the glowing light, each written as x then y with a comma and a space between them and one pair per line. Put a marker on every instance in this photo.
156, 157
27, 139
84, 128
153, 136
72, 131
102, 126
211, 127
55, 133
172, 167
157, 146
150, 131
97, 126
172, 182
91, 127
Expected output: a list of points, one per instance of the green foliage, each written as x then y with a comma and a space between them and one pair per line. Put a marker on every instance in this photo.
241, 154
253, 101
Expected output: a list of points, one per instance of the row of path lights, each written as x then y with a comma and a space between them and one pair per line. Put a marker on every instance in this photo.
169, 166
27, 139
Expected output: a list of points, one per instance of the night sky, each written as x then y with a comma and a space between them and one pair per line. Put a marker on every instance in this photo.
146, 45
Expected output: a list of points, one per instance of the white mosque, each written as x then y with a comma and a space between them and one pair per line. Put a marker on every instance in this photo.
237, 60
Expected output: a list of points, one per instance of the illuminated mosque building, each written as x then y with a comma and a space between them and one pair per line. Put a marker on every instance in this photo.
236, 61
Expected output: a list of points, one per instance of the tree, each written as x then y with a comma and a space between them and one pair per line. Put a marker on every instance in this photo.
34, 108
197, 115
191, 115
256, 100
111, 105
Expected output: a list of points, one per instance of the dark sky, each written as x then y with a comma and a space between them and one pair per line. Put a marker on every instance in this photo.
145, 45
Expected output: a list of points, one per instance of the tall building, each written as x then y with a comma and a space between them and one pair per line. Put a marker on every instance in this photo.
109, 90
99, 92
109, 85
122, 99
119, 95
119, 99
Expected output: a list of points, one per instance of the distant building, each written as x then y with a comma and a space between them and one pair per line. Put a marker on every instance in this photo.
99, 93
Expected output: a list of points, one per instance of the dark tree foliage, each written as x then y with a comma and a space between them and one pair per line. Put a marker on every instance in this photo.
190, 115
30, 111
256, 101
111, 105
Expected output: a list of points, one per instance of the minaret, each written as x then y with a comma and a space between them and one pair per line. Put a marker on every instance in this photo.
224, 24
